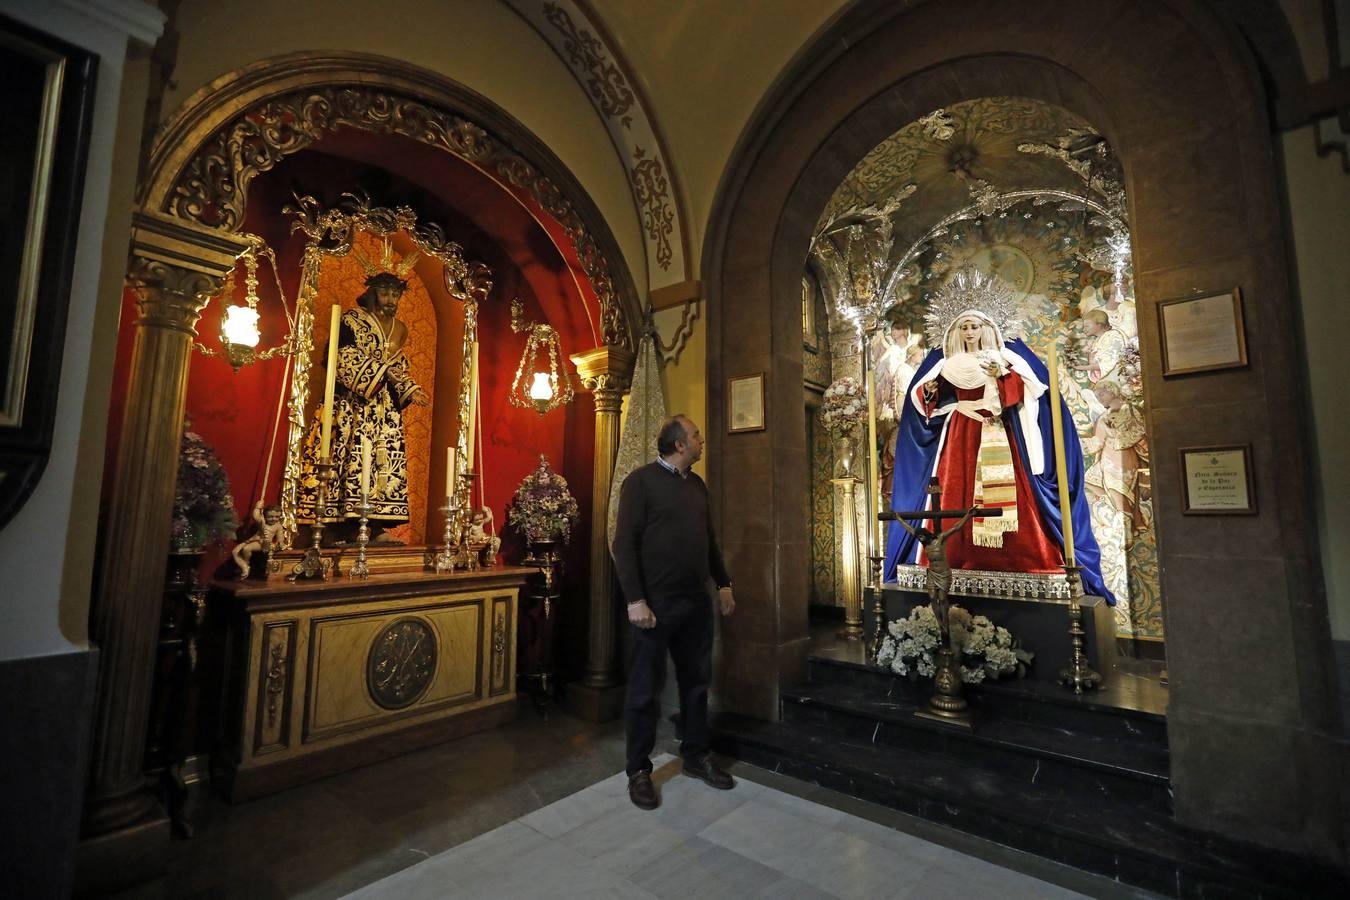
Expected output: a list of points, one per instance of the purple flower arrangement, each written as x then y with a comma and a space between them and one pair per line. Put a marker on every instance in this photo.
542, 508
203, 509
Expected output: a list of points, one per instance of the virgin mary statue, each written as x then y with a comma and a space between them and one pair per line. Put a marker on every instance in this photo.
977, 417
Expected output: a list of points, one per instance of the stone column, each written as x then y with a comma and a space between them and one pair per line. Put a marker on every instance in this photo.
606, 372
175, 266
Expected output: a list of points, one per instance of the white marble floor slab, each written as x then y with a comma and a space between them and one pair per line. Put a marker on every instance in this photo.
753, 841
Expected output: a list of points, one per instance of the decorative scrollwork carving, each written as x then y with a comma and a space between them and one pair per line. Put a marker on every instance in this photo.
276, 680
402, 663
212, 187
604, 79
653, 195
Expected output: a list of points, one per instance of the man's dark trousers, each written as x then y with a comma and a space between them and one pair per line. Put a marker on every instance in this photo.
684, 628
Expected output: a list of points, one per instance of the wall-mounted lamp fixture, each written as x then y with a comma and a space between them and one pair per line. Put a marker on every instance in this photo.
239, 331
545, 390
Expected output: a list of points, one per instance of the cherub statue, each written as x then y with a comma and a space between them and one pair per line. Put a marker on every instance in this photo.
267, 538
939, 574
480, 532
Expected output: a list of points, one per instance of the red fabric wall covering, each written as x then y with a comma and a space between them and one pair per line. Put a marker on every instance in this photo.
234, 411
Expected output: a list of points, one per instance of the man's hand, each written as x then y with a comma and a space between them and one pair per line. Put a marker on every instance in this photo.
726, 601
419, 398
641, 615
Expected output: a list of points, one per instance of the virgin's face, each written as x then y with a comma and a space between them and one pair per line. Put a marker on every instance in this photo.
969, 330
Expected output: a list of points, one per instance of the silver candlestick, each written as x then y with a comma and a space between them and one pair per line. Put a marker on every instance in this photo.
361, 569
445, 559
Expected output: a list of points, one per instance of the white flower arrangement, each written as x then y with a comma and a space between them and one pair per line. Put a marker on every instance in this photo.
843, 409
987, 650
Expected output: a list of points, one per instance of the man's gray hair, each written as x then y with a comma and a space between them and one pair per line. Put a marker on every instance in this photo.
672, 432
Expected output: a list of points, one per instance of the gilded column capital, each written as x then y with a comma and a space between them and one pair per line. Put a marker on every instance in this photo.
176, 266
606, 372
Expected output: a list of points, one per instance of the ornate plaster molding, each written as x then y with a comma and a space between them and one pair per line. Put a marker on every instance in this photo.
576, 35
244, 123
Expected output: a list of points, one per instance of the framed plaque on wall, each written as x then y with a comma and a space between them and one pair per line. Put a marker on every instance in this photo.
1202, 334
745, 395
1217, 481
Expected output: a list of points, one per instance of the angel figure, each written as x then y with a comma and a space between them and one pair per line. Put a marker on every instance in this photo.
267, 538
482, 534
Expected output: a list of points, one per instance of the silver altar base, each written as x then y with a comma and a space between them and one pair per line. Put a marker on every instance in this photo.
1053, 588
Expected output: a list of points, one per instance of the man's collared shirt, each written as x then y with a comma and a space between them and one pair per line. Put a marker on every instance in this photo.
683, 473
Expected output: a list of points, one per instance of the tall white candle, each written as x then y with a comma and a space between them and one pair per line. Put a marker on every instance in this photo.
330, 383
450, 473
873, 479
365, 466
471, 446
1057, 426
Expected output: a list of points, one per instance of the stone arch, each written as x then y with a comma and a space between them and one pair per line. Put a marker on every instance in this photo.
1180, 99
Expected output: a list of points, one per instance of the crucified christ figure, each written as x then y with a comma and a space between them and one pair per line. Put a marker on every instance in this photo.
939, 576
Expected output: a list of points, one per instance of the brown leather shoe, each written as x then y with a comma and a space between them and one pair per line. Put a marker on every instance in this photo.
642, 792
705, 769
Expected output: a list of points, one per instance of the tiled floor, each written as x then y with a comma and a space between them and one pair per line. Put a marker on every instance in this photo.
533, 808
753, 841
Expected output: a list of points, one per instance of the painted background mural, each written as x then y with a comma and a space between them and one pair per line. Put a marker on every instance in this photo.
1029, 193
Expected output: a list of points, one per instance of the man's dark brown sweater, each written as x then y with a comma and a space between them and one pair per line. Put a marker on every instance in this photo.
664, 546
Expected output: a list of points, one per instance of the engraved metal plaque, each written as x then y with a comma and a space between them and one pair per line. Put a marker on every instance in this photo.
402, 663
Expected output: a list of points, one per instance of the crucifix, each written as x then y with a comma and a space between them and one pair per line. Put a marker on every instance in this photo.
947, 703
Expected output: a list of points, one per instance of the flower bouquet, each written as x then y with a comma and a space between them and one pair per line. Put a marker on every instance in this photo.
985, 650
542, 508
203, 509
843, 409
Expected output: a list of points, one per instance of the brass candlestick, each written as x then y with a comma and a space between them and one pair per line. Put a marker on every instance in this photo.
878, 607
361, 569
311, 565
1079, 675
465, 558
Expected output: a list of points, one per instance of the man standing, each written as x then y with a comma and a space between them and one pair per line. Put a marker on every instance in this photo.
665, 552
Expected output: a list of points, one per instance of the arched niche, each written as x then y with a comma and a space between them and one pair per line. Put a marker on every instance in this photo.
185, 238
243, 123
1180, 99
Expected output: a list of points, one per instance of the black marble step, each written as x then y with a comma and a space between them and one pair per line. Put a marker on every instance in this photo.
1089, 764
1036, 703
1135, 843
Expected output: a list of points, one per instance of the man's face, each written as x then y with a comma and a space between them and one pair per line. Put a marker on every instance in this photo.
386, 299
691, 449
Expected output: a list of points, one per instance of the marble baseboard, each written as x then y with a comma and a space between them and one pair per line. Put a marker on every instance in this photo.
46, 705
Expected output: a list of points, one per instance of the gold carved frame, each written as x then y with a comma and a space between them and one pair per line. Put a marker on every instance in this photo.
331, 233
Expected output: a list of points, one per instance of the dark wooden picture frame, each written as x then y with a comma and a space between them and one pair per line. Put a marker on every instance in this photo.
1173, 363
1189, 502
740, 419
42, 164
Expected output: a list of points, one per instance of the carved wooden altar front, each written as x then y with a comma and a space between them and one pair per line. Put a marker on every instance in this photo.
323, 676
